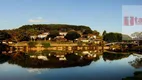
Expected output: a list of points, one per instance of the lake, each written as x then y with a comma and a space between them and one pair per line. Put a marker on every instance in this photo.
84, 65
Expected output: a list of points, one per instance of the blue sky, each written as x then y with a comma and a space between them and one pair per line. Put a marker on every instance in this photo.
98, 14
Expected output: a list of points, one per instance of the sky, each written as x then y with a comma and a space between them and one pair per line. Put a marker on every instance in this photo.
97, 14
134, 25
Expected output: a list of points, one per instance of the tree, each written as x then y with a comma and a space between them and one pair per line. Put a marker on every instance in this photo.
88, 31
95, 32
4, 35
53, 34
32, 32
72, 35
112, 37
24, 37
14, 34
104, 33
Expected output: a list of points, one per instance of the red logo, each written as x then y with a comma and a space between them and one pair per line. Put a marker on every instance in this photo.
132, 21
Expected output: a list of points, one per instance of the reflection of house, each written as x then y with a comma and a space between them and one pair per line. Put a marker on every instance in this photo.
39, 57
7, 42
42, 57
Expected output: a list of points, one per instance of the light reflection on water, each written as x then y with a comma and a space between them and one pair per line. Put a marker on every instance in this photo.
76, 66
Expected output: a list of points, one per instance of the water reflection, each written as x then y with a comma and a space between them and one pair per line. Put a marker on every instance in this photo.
50, 60
137, 76
84, 65
137, 63
4, 58
112, 56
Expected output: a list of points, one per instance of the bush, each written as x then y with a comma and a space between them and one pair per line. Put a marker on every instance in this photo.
45, 44
32, 44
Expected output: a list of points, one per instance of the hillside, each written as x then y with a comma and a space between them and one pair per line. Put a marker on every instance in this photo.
59, 27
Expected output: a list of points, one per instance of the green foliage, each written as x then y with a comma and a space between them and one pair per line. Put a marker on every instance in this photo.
112, 37
24, 32
32, 44
4, 35
53, 34
137, 76
46, 44
32, 32
95, 32
88, 31
59, 27
104, 33
24, 37
72, 35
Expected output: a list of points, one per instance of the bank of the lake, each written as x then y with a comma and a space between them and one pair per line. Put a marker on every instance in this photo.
53, 65
46, 45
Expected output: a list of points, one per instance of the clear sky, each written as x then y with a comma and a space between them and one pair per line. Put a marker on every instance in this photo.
98, 14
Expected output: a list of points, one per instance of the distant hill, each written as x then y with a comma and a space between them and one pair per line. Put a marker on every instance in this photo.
126, 37
59, 27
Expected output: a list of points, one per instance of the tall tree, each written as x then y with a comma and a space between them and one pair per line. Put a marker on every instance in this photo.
4, 35
72, 35
87, 31
104, 33
113, 37
53, 34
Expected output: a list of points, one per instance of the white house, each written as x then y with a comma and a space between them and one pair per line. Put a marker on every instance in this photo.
63, 33
33, 37
42, 36
46, 33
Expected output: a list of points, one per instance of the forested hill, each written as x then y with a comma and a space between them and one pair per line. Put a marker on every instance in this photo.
59, 27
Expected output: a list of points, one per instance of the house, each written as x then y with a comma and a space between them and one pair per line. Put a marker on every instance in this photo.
41, 36
60, 38
33, 37
63, 33
92, 36
46, 33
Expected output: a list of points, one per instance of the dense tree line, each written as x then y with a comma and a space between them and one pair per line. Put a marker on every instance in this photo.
24, 32
112, 37
59, 27
115, 37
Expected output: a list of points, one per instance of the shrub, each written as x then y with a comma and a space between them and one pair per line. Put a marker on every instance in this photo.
32, 44
46, 44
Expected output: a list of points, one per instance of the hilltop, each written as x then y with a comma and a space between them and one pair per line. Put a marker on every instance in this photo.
59, 27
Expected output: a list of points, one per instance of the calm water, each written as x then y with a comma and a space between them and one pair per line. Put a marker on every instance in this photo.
77, 66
